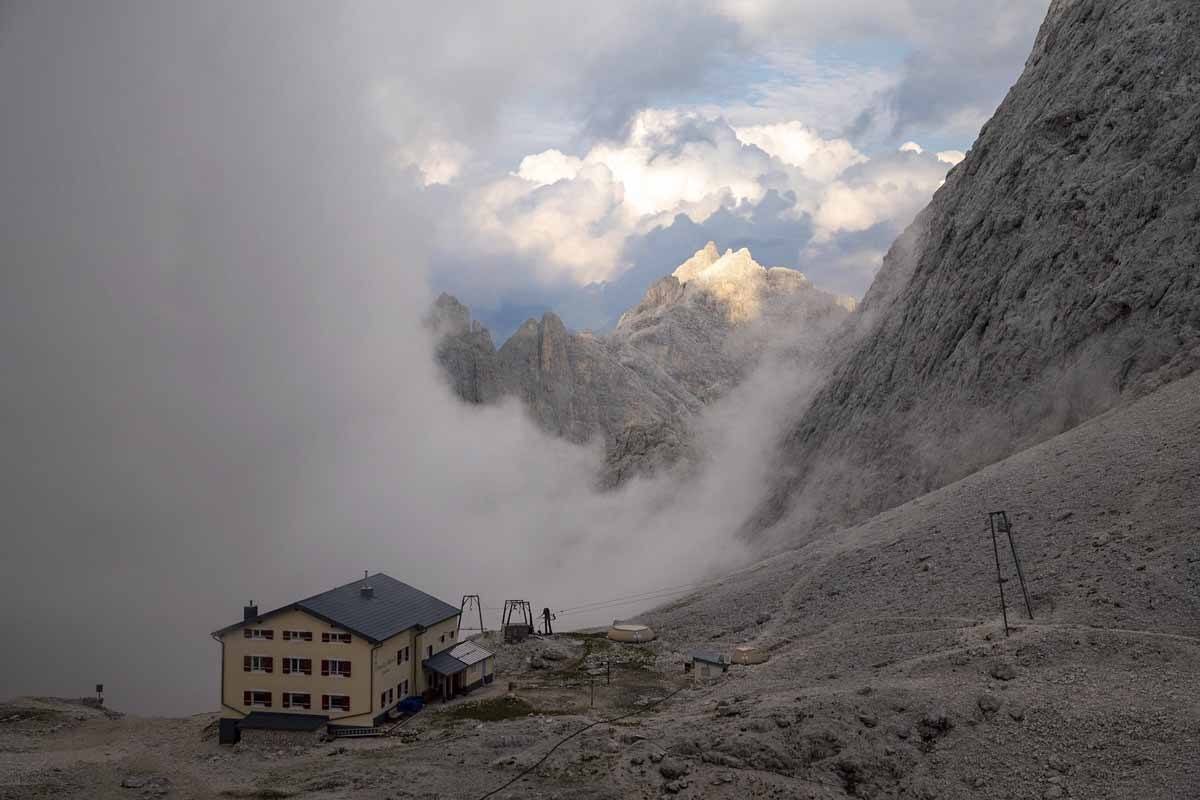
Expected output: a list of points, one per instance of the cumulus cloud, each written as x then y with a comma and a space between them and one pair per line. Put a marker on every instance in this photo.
572, 216
891, 188
547, 167
798, 145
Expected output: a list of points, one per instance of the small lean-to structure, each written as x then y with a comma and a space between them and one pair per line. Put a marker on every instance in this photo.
630, 632
706, 665
749, 654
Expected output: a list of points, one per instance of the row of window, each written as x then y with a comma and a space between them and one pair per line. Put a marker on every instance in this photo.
329, 702
301, 666
297, 636
391, 695
326, 636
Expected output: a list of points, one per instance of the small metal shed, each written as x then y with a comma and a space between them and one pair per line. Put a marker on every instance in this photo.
706, 665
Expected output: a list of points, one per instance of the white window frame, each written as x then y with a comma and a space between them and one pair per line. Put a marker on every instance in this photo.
293, 668
297, 636
257, 633
285, 700
259, 668
331, 640
331, 697
269, 704
338, 673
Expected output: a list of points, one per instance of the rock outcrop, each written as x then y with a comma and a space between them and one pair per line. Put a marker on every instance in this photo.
695, 335
1054, 275
465, 350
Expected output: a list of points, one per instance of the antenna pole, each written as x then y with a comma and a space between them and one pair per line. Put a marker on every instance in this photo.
999, 576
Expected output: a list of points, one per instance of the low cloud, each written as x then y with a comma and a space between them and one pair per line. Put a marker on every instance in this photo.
218, 388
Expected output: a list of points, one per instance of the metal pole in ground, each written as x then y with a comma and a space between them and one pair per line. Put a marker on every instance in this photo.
999, 577
592, 684
1020, 573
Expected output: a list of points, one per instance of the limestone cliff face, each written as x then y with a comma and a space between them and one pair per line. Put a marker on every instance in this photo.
694, 336
579, 386
1056, 273
465, 351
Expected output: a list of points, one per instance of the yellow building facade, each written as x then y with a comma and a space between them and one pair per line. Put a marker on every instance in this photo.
344, 658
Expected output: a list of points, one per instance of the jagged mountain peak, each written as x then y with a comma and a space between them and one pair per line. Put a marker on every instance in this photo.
700, 260
696, 334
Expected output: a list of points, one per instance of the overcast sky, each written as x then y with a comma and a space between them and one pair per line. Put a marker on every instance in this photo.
221, 222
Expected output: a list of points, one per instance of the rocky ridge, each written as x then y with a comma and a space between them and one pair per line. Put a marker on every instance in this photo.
1053, 276
696, 334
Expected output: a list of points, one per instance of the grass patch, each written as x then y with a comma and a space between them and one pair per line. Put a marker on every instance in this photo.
598, 650
493, 710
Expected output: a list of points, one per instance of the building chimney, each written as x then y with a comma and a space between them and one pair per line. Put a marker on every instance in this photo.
249, 612
366, 591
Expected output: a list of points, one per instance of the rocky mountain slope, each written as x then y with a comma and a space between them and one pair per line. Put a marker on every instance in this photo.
696, 334
890, 675
1055, 274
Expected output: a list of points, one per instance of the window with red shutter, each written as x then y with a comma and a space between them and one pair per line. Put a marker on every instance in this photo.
324, 702
268, 664
324, 666
346, 669
306, 666
245, 663
247, 633
246, 698
269, 634
287, 666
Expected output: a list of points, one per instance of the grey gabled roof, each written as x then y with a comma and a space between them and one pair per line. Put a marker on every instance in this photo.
709, 656
392, 607
470, 653
443, 664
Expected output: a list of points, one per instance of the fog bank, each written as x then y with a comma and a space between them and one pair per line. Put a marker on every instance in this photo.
217, 385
